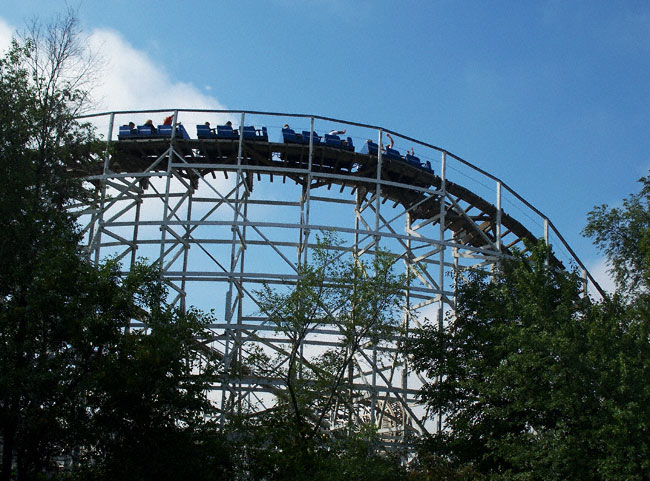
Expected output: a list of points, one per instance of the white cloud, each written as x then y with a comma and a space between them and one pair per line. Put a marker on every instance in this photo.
6, 32
130, 80
599, 269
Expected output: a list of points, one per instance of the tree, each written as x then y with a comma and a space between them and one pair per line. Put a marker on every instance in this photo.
623, 234
92, 390
77, 383
40, 143
146, 394
362, 301
263, 450
538, 381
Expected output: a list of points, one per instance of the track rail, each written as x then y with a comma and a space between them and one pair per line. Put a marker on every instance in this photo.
233, 214
466, 193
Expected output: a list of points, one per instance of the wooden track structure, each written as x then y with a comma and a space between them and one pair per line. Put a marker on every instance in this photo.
445, 229
290, 160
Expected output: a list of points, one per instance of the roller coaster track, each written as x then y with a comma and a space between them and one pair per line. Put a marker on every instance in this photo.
207, 199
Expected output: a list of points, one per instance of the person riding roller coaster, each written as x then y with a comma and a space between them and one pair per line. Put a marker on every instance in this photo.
390, 144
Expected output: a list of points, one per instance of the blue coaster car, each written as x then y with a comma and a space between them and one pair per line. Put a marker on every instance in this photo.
144, 131
251, 133
336, 142
333, 141
289, 136
165, 132
125, 132
391, 154
413, 160
226, 132
205, 132
305, 137
370, 148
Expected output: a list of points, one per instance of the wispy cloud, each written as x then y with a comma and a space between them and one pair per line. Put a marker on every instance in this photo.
130, 80
6, 32
600, 270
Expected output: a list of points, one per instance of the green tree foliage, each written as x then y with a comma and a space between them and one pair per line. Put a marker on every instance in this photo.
39, 143
538, 382
266, 448
79, 385
146, 396
623, 234
291, 441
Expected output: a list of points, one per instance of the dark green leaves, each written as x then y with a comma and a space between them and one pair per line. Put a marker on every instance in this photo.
538, 382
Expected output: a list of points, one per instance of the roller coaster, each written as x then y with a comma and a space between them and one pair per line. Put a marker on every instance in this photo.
232, 209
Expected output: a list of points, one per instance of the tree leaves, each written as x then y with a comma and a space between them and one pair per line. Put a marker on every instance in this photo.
623, 234
359, 299
538, 382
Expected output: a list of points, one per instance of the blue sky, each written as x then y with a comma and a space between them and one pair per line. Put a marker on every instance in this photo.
552, 97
